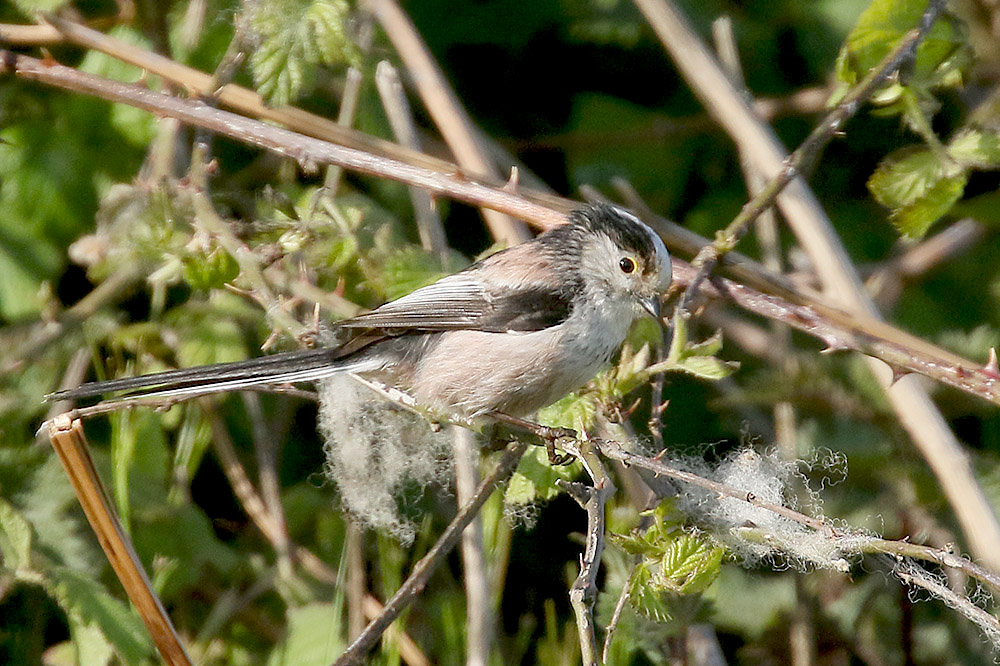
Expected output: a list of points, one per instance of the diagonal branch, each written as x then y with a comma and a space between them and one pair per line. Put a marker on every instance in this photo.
358, 650
802, 160
917, 414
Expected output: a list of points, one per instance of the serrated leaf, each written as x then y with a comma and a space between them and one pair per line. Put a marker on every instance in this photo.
15, 538
905, 176
915, 219
636, 544
646, 597
689, 565
976, 148
83, 598
295, 37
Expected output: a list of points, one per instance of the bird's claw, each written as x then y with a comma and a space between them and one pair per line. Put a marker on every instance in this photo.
553, 435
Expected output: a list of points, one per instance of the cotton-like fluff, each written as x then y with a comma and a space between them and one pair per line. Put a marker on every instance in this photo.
378, 454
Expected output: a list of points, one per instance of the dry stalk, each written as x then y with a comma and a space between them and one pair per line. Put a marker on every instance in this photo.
70, 444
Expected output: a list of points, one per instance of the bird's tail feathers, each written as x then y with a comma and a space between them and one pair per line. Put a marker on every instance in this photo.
275, 369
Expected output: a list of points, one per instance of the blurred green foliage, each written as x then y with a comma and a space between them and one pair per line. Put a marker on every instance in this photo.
94, 194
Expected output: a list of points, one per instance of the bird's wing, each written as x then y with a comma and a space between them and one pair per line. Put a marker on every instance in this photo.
463, 301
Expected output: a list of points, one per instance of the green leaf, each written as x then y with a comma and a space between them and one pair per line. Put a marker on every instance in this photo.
636, 544
139, 460
915, 219
211, 270
535, 479
646, 596
904, 176
707, 347
679, 340
15, 538
206, 335
941, 57
918, 187
690, 564
181, 540
92, 647
574, 411
695, 359
314, 637
664, 525
296, 37
88, 603
976, 148
707, 367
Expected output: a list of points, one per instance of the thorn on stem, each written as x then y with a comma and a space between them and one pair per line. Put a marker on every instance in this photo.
992, 368
513, 182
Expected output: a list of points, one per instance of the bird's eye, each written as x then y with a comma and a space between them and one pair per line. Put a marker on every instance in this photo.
627, 264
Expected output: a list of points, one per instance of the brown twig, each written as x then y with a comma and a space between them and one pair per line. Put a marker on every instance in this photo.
901, 350
615, 451
397, 109
349, 101
883, 341
236, 97
914, 409
479, 630
851, 542
69, 442
583, 592
308, 152
840, 331
803, 158
418, 578
450, 117
616, 615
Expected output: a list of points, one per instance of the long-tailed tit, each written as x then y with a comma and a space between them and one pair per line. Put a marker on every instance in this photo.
512, 333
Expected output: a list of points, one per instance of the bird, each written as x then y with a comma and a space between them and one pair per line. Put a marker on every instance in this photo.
510, 334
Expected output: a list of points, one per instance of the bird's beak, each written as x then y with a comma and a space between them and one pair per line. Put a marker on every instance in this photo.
651, 304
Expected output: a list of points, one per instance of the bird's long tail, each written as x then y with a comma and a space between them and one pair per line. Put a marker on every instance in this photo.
275, 369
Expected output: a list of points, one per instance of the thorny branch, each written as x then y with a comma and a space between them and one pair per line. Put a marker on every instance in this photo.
805, 155
309, 153
744, 296
854, 331
913, 407
593, 500
583, 593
